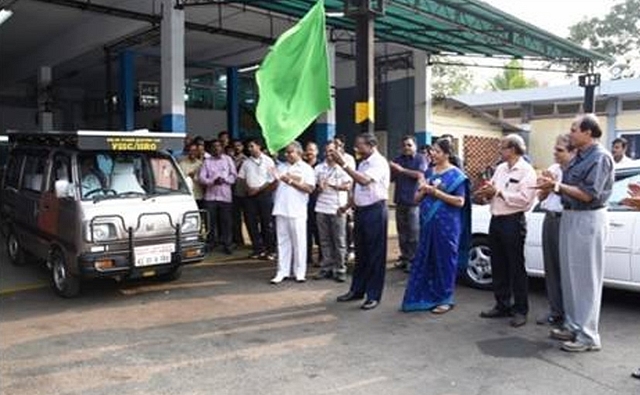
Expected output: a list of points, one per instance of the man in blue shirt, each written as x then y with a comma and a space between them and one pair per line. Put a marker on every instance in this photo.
406, 170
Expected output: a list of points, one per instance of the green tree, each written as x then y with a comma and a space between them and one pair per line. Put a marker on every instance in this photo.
512, 77
449, 80
616, 34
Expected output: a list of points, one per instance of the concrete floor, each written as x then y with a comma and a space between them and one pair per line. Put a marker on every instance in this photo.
222, 329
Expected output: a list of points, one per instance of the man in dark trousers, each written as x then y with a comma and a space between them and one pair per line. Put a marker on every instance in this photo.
511, 193
370, 201
406, 170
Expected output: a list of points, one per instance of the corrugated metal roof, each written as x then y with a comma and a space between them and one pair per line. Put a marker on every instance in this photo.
617, 88
469, 27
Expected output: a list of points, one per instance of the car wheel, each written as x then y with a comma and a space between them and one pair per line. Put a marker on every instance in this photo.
63, 282
478, 272
172, 275
14, 249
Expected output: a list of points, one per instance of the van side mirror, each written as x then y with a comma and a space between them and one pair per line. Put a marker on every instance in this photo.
64, 189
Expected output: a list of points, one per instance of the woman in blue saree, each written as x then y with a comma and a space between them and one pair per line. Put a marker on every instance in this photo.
444, 234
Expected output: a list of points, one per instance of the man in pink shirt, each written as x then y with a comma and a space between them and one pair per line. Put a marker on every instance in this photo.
217, 175
511, 194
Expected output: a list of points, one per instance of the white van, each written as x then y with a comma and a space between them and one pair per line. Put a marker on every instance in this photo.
99, 204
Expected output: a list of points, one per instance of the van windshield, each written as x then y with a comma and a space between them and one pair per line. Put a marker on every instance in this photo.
108, 174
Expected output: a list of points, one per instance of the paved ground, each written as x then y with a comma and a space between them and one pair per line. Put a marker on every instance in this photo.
222, 329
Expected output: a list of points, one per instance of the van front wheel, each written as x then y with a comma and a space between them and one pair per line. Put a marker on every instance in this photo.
63, 282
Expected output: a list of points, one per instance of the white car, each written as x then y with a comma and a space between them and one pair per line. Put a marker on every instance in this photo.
622, 252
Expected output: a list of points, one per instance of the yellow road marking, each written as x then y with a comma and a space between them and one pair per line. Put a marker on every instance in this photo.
21, 288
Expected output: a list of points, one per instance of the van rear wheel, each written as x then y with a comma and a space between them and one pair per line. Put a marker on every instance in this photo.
63, 282
14, 249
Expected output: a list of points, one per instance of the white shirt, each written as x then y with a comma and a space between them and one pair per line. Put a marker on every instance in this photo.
256, 171
516, 184
375, 167
289, 201
623, 160
330, 200
553, 202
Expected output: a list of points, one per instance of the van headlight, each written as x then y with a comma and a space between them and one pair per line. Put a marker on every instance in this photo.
102, 232
191, 223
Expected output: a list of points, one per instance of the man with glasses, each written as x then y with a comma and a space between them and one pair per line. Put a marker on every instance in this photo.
511, 194
551, 203
406, 170
296, 180
585, 188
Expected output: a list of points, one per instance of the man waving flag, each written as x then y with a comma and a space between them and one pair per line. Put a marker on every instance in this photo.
293, 81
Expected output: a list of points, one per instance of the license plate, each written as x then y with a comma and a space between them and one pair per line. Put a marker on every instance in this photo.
153, 255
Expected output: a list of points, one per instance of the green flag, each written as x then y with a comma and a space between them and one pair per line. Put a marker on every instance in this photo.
293, 81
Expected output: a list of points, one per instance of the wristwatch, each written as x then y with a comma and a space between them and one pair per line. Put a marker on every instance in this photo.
556, 187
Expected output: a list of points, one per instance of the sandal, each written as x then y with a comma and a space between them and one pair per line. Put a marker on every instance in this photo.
442, 309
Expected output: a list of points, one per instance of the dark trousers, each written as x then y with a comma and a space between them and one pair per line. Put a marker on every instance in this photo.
371, 250
260, 222
238, 209
551, 254
506, 237
220, 217
313, 237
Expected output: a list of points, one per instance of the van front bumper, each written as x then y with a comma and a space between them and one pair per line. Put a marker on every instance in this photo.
120, 263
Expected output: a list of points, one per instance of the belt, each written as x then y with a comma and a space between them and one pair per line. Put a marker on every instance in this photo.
507, 216
554, 214
377, 204
584, 208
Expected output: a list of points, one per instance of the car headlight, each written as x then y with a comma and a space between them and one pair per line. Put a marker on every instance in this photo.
191, 223
102, 232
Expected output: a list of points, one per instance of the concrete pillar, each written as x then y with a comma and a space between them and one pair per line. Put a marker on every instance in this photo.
422, 97
326, 123
233, 102
45, 99
172, 64
126, 91
613, 105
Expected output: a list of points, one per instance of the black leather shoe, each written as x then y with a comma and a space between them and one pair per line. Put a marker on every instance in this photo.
348, 297
495, 313
518, 320
369, 305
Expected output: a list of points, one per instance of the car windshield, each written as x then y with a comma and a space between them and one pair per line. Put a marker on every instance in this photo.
108, 174
621, 185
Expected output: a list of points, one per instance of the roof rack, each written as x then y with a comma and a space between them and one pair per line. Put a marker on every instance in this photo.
137, 140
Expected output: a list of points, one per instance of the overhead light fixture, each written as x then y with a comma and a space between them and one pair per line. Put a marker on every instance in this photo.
4, 15
337, 14
249, 68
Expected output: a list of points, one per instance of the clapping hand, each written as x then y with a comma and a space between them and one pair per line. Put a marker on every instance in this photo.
545, 182
486, 191
285, 178
633, 200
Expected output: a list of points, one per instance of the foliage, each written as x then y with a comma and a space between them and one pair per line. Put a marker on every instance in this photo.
449, 80
616, 34
512, 77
